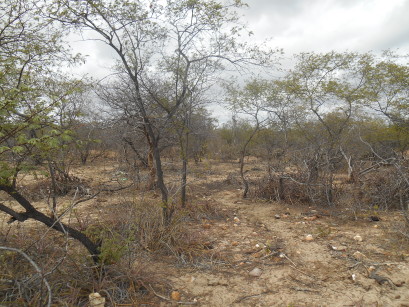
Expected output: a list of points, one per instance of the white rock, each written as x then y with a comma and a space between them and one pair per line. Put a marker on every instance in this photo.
236, 219
338, 248
358, 238
96, 300
359, 256
256, 272
309, 238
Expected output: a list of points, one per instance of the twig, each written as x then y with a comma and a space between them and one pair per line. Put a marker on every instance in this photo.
286, 257
251, 296
36, 267
302, 272
169, 300
304, 290
270, 255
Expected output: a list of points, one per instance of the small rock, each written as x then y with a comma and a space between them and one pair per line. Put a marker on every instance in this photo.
206, 226
258, 254
175, 295
310, 218
374, 218
96, 300
358, 238
256, 272
277, 216
309, 238
338, 248
236, 219
235, 243
359, 256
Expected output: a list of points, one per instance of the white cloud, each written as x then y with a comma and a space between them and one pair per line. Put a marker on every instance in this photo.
324, 25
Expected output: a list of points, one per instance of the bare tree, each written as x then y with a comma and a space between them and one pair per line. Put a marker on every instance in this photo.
169, 44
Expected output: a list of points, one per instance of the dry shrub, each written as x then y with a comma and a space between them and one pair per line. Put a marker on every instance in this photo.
130, 233
296, 189
20, 284
130, 229
207, 209
232, 179
123, 277
65, 185
382, 189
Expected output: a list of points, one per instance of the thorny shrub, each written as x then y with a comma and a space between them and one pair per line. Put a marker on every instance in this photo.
382, 189
295, 188
130, 233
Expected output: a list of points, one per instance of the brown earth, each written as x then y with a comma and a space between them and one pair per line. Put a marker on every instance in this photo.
272, 236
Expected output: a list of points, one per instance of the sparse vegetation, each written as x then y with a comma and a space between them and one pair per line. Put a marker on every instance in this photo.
130, 187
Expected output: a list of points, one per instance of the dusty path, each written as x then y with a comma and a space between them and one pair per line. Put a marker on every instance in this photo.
294, 271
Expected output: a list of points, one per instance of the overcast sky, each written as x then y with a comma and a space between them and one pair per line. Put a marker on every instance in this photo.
325, 25
304, 25
307, 25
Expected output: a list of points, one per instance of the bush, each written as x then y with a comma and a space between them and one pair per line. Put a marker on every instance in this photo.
297, 189
382, 189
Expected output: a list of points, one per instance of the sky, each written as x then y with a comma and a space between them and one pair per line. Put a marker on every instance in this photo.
302, 26
326, 25
307, 25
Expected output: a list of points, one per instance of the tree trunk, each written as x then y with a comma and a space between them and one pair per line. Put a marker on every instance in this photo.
151, 165
243, 178
184, 170
167, 211
52, 222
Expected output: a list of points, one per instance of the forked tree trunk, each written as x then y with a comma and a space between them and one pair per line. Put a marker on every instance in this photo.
52, 222
151, 165
184, 170
243, 155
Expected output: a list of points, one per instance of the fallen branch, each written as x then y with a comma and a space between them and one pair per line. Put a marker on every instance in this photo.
35, 266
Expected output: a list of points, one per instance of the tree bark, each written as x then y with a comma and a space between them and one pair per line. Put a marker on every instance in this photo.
151, 166
184, 171
52, 222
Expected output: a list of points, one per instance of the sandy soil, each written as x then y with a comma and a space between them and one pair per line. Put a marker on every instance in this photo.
335, 268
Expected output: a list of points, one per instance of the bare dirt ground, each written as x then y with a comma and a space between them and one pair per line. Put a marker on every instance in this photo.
333, 269
265, 253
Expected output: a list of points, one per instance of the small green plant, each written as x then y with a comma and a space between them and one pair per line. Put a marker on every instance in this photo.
113, 245
323, 231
